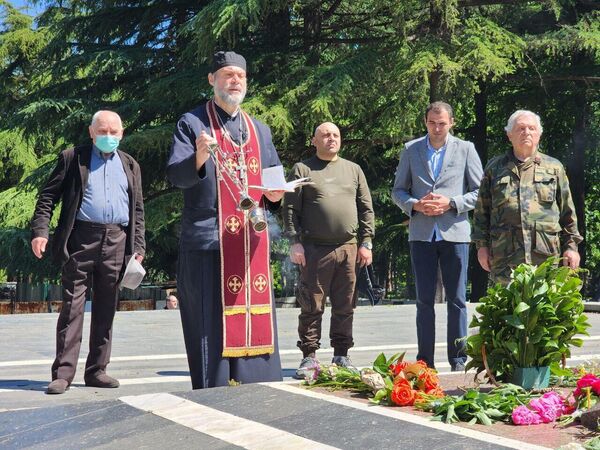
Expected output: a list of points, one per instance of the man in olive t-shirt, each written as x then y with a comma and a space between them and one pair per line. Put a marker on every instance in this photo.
330, 224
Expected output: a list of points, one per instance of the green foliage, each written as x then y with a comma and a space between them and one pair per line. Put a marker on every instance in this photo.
529, 323
277, 278
371, 66
478, 407
592, 444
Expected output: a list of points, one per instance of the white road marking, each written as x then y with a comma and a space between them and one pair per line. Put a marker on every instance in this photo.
406, 417
224, 426
18, 409
43, 362
295, 351
152, 380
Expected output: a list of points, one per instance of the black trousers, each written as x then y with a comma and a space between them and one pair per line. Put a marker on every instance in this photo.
96, 255
199, 291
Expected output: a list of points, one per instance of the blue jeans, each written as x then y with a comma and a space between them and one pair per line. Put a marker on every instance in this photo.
453, 259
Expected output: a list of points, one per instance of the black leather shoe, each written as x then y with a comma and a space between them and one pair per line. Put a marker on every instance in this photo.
101, 380
58, 386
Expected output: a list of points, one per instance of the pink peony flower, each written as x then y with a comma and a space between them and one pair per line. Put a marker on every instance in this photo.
596, 387
587, 380
549, 406
522, 415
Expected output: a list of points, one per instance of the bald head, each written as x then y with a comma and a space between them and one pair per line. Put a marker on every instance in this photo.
106, 115
327, 140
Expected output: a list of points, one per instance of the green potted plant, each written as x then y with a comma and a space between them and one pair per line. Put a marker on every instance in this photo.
525, 329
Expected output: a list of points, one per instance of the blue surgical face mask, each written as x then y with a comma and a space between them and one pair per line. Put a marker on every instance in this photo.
107, 143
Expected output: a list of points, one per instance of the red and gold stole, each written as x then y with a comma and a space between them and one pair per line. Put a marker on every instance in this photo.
245, 254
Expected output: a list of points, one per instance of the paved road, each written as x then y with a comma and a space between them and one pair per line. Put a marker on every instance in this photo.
149, 359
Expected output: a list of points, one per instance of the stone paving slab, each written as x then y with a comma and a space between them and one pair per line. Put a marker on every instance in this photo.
114, 424
110, 424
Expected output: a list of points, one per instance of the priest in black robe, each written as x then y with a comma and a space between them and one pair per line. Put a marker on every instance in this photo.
200, 266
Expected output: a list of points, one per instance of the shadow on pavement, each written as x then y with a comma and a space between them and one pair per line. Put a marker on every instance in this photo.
171, 373
24, 385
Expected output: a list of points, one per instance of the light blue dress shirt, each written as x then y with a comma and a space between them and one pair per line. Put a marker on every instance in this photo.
435, 158
105, 199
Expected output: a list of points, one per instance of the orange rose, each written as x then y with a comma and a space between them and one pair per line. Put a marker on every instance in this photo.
428, 380
437, 392
413, 370
402, 393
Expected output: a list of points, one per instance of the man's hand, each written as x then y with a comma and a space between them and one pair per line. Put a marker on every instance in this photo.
202, 143
483, 256
571, 258
420, 205
435, 204
364, 256
274, 196
297, 254
139, 258
432, 204
38, 245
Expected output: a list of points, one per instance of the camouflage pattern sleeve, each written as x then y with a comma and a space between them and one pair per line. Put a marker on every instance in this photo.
481, 214
569, 234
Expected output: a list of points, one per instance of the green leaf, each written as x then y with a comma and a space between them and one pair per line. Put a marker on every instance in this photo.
380, 365
556, 369
522, 306
514, 321
483, 418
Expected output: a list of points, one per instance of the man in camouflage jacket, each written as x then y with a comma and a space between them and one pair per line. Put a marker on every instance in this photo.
524, 212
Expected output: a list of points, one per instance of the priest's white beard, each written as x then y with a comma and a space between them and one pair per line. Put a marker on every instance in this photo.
230, 99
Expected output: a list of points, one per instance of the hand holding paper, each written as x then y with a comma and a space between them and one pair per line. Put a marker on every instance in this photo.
273, 179
134, 274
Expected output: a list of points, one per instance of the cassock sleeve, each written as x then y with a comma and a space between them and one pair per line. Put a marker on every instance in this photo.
181, 168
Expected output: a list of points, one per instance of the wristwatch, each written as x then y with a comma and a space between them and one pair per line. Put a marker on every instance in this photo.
367, 245
452, 204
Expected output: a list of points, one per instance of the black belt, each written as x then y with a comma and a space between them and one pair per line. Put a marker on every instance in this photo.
82, 224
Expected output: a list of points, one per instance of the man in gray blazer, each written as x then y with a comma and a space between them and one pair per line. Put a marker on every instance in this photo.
437, 182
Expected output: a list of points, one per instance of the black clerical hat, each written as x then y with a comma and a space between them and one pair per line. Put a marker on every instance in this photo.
224, 59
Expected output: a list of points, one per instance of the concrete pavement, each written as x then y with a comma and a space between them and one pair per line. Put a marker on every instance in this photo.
149, 359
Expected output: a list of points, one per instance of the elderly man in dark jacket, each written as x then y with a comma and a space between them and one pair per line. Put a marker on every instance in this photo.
101, 225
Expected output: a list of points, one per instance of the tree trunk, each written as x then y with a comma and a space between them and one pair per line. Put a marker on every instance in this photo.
312, 31
478, 276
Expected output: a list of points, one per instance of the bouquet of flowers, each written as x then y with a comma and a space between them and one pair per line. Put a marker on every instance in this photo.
478, 407
585, 395
587, 391
391, 381
545, 409
412, 382
552, 406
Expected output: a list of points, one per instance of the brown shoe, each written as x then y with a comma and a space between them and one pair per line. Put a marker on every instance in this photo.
58, 386
101, 380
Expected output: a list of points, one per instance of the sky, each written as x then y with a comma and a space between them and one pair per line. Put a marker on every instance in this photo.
29, 8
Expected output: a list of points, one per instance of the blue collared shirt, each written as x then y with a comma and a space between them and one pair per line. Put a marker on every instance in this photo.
435, 158
105, 199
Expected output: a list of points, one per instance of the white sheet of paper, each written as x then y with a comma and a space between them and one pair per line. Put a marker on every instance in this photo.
273, 179
134, 274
